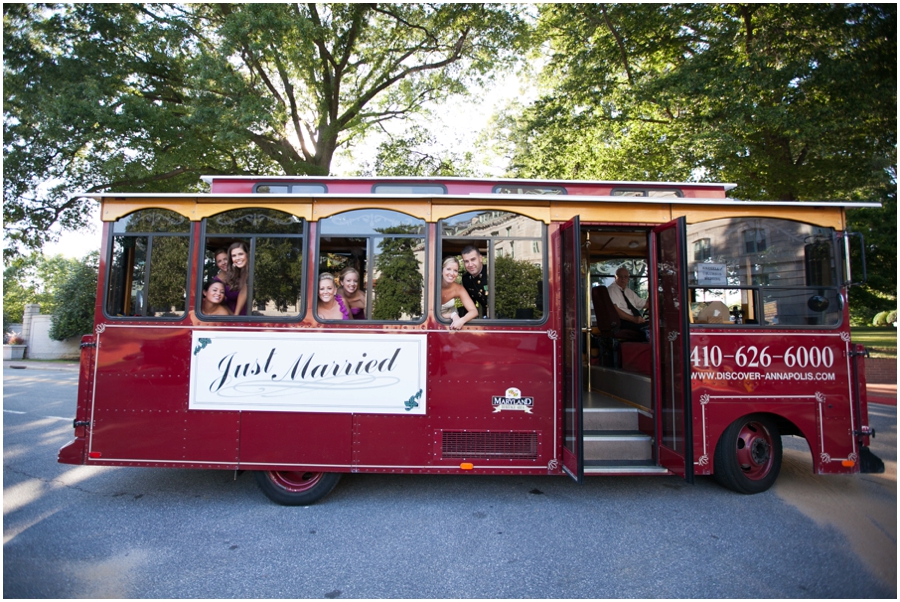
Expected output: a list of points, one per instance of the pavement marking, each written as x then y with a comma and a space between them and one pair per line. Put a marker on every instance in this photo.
48, 417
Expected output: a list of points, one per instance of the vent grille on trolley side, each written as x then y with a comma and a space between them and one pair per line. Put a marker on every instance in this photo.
490, 445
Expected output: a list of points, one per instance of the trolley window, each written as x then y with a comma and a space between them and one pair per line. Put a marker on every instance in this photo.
507, 280
148, 267
377, 258
763, 271
648, 192
528, 189
409, 189
263, 268
290, 189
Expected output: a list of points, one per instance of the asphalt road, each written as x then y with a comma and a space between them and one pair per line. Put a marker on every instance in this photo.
98, 532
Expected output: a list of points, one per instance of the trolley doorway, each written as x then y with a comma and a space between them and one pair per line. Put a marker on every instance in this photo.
635, 400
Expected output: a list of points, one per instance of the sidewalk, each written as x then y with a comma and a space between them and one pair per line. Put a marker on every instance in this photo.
884, 394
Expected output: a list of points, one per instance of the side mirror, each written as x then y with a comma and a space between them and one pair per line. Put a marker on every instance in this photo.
862, 256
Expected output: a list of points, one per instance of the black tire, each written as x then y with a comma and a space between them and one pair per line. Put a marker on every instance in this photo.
296, 488
748, 455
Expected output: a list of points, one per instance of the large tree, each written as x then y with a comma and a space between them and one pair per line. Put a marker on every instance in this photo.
790, 101
146, 97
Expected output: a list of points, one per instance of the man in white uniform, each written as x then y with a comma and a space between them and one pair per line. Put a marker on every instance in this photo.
627, 302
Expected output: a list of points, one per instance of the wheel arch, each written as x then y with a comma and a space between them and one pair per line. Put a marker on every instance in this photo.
785, 425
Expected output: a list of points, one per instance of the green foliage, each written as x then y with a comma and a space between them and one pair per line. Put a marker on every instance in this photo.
75, 300
399, 283
32, 279
418, 153
791, 101
278, 262
516, 282
879, 230
277, 272
879, 342
880, 318
168, 274
146, 97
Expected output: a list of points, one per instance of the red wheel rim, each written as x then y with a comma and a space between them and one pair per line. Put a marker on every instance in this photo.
754, 451
295, 482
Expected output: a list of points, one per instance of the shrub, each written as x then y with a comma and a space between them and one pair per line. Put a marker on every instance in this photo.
880, 319
75, 300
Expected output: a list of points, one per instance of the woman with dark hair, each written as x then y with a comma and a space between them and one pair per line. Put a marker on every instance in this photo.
221, 256
235, 279
213, 298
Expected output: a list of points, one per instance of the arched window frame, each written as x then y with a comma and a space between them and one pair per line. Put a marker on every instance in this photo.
118, 230
251, 237
372, 238
495, 248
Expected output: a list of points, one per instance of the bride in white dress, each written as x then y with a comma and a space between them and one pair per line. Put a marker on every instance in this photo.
452, 290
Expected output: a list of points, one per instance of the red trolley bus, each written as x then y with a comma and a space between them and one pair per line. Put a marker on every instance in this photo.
748, 334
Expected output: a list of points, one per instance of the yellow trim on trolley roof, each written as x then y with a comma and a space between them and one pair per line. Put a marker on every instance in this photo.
607, 210
826, 217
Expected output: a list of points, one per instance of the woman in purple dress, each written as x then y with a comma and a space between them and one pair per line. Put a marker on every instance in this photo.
354, 297
235, 279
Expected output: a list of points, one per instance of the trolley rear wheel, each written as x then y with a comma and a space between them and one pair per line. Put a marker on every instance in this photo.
748, 455
296, 488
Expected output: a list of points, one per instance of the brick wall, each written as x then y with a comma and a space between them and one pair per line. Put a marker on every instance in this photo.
880, 371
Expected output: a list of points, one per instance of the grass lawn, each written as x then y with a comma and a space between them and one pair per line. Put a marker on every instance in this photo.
881, 342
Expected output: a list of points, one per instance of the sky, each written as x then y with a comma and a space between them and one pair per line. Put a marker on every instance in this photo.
461, 122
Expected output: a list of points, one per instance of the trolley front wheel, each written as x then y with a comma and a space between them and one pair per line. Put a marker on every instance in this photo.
296, 488
748, 455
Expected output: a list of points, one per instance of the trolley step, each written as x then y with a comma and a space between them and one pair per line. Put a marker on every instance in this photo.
621, 418
623, 467
617, 445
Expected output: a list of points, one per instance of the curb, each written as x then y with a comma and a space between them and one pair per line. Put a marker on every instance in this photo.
32, 365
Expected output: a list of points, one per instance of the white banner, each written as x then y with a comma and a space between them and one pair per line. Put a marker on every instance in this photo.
308, 372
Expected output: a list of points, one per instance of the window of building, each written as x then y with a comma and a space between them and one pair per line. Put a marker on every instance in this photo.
510, 284
148, 266
269, 284
702, 250
386, 250
754, 240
